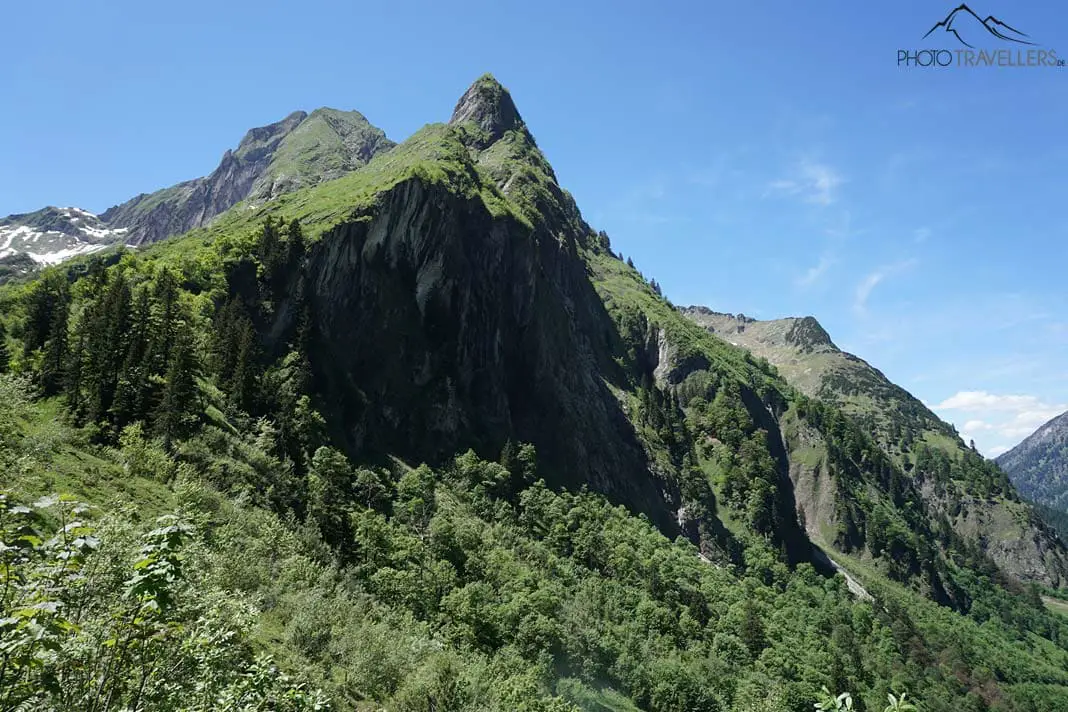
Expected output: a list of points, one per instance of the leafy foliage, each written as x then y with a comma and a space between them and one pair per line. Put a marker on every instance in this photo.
83, 629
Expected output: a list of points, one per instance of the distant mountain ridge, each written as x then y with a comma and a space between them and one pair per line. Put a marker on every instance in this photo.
300, 150
1039, 465
52, 234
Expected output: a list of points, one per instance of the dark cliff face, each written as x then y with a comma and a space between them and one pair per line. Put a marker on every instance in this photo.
439, 325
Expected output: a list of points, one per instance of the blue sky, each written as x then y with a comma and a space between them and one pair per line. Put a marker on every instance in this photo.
767, 158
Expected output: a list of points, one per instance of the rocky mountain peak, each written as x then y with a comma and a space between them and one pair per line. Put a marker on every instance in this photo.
271, 133
488, 105
808, 334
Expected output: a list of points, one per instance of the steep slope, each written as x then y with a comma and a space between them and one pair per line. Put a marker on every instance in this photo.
299, 150
1039, 465
52, 235
953, 480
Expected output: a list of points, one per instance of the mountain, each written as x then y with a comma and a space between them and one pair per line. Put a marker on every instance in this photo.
954, 480
302, 149
964, 24
52, 235
421, 440
1039, 465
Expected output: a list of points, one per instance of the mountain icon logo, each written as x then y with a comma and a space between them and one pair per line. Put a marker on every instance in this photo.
964, 24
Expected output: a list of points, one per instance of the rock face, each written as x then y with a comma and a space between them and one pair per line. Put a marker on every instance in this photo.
1039, 465
492, 346
442, 322
299, 150
489, 106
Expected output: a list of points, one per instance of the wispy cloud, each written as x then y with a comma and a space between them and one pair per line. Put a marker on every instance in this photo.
815, 273
873, 280
921, 235
811, 181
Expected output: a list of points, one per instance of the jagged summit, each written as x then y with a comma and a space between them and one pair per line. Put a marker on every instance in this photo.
807, 333
488, 105
261, 136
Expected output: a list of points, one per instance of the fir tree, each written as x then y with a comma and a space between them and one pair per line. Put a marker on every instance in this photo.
107, 336
131, 394
74, 376
295, 246
179, 400
54, 361
5, 355
50, 293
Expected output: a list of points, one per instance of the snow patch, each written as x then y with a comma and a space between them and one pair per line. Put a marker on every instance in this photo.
54, 258
102, 232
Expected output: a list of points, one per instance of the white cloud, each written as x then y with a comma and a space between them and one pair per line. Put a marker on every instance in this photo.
813, 182
864, 290
981, 400
921, 235
1000, 421
873, 280
813, 274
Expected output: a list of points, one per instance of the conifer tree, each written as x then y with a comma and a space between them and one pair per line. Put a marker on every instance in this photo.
178, 402
5, 355
236, 354
107, 337
72, 386
132, 388
54, 361
295, 246
41, 303
165, 313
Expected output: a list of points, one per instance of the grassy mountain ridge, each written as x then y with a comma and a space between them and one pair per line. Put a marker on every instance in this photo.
974, 495
273, 372
301, 149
